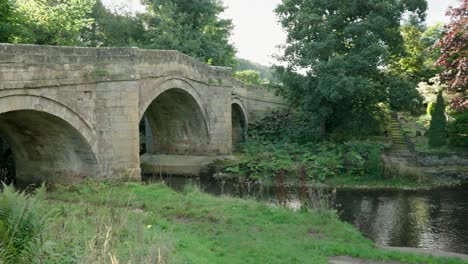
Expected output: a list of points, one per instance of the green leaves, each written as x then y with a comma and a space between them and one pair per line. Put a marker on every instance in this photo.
21, 224
191, 27
248, 77
343, 46
53, 22
263, 161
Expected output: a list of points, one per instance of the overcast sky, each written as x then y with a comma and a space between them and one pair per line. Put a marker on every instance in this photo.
257, 34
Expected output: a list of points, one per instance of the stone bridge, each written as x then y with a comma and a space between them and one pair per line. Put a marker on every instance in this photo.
69, 112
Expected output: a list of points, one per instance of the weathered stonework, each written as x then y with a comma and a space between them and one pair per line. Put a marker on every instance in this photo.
71, 112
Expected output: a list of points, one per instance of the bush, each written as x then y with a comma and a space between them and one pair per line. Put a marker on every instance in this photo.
458, 130
322, 160
437, 129
21, 225
360, 125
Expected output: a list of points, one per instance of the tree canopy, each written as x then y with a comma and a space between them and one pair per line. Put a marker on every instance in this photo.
109, 29
419, 54
344, 47
249, 77
454, 55
52, 22
192, 27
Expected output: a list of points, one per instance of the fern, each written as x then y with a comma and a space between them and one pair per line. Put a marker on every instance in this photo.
21, 225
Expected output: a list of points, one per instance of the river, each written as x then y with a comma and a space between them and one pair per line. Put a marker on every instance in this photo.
435, 219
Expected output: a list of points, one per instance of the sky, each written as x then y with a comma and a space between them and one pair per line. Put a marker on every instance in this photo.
257, 34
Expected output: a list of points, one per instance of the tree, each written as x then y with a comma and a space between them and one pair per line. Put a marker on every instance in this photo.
437, 130
110, 29
266, 72
53, 22
6, 17
249, 77
192, 27
454, 56
417, 61
343, 46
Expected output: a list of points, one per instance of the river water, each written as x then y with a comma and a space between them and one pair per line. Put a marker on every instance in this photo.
436, 219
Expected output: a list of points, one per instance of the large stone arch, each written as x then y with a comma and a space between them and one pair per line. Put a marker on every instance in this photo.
49, 141
175, 118
150, 89
239, 119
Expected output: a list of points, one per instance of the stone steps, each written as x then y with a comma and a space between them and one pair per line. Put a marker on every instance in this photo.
400, 149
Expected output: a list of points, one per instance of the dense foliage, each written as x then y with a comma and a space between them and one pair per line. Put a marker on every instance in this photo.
110, 29
265, 72
21, 225
343, 47
320, 161
51, 22
437, 131
6, 20
454, 55
273, 147
249, 77
192, 27
417, 61
458, 130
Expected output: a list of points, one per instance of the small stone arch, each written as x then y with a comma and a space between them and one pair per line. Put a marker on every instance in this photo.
239, 119
49, 141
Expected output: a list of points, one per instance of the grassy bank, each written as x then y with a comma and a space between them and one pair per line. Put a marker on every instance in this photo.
134, 223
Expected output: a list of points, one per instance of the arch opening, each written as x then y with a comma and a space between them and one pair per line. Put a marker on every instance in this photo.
44, 147
239, 125
174, 124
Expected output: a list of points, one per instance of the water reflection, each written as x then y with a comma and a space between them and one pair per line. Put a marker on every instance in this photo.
435, 219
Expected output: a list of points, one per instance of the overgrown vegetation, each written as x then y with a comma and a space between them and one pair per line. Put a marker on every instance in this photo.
278, 151
321, 161
100, 222
22, 222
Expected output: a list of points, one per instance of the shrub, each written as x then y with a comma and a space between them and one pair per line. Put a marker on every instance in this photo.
437, 129
248, 77
21, 225
458, 130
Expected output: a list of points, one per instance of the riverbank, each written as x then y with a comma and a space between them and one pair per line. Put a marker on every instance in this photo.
349, 182
155, 224
389, 184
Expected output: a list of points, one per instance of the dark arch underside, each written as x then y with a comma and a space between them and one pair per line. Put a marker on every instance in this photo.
46, 148
175, 125
238, 124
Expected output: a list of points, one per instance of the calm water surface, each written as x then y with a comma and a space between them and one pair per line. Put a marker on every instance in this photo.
436, 219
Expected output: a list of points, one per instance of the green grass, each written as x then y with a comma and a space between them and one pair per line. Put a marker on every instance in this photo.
135, 223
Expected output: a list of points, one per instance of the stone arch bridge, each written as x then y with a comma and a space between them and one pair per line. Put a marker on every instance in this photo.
69, 112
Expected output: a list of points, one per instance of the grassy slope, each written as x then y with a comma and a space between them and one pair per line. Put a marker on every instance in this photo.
151, 223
